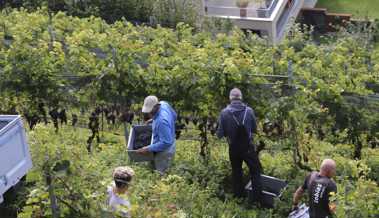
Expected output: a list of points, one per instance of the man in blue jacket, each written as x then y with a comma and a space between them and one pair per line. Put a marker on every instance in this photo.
237, 123
163, 146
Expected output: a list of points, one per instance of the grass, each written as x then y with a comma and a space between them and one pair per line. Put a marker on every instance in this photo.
359, 8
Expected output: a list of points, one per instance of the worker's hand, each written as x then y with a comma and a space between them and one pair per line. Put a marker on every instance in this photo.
332, 207
294, 207
143, 150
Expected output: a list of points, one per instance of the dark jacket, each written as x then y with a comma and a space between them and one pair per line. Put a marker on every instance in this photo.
227, 125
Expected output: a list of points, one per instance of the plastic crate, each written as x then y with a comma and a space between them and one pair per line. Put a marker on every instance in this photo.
301, 212
272, 188
15, 159
135, 142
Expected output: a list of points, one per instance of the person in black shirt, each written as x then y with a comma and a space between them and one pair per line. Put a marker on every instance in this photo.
237, 123
320, 188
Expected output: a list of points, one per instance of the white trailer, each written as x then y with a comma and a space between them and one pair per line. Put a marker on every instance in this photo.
15, 159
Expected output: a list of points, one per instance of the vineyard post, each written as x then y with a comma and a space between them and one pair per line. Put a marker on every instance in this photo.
53, 199
116, 66
102, 119
51, 31
369, 64
290, 73
204, 149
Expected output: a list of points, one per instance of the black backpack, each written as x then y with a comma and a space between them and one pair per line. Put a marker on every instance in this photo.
240, 141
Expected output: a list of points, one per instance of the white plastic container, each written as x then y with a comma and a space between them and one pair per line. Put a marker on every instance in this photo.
301, 212
15, 159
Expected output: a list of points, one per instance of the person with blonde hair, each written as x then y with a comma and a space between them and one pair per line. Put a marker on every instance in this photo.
117, 192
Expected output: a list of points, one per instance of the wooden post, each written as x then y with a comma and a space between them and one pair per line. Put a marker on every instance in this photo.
53, 199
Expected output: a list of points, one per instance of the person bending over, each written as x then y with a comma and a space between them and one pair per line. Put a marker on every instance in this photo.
163, 118
320, 188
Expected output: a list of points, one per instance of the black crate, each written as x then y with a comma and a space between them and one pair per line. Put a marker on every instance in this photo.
140, 136
272, 188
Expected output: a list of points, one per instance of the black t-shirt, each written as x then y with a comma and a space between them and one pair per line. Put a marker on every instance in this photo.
319, 190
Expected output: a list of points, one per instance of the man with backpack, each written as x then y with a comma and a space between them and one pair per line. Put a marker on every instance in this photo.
237, 123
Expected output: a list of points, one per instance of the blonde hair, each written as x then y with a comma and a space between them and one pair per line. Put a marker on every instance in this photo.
123, 176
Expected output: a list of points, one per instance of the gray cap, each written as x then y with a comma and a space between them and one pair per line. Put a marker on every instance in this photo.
235, 94
149, 103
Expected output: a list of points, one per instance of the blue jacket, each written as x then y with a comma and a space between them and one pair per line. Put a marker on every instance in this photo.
164, 129
227, 125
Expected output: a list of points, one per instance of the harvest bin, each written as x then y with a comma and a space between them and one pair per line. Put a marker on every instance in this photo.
15, 159
301, 212
272, 188
140, 135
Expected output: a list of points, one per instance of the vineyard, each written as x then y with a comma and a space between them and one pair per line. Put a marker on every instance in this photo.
312, 101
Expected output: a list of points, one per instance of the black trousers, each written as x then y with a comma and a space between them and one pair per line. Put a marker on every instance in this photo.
251, 159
